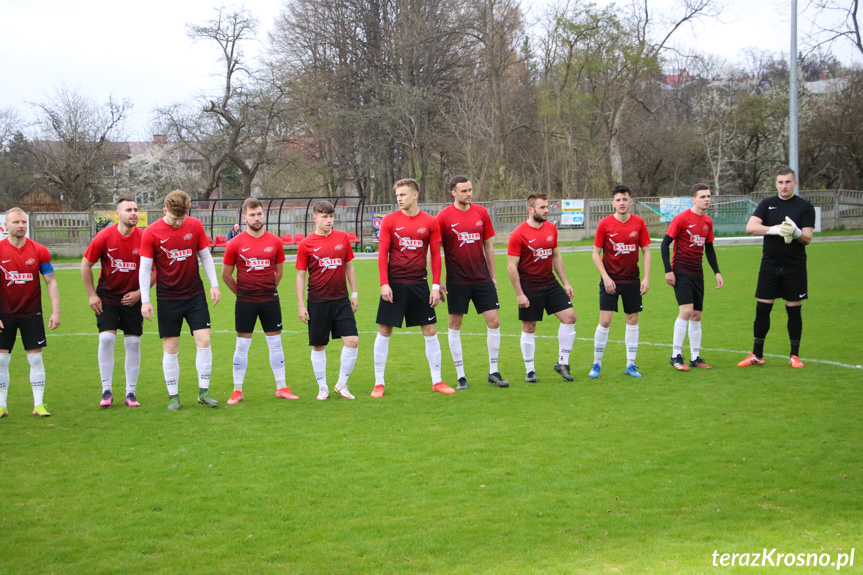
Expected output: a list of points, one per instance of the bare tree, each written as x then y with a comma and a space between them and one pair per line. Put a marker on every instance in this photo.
74, 148
836, 21
249, 105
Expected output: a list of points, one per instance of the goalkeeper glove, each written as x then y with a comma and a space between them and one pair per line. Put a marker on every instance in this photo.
789, 230
774, 230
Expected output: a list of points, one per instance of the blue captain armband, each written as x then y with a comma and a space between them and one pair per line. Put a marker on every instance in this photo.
46, 268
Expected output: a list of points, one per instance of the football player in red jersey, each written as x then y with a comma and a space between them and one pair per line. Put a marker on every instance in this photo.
259, 258
117, 300
615, 254
21, 261
691, 231
327, 256
467, 234
532, 260
406, 236
172, 245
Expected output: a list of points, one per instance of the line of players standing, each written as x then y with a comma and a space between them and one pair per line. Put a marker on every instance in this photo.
166, 254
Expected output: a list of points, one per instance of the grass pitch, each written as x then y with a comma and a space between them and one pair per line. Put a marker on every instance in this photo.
606, 476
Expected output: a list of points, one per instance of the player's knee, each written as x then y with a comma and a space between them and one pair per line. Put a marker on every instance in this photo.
454, 322
763, 308
351, 341
528, 326
429, 330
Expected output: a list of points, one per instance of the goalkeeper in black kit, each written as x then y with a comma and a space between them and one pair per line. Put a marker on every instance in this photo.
787, 223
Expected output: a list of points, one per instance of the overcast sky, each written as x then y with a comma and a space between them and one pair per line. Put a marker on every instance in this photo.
140, 51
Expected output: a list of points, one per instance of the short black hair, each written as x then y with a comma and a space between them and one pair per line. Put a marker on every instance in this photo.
621, 189
456, 181
693, 191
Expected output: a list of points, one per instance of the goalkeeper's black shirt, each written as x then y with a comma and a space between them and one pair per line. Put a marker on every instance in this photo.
779, 257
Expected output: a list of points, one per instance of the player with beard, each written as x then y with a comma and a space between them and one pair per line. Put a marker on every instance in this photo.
21, 259
532, 260
259, 258
117, 299
468, 246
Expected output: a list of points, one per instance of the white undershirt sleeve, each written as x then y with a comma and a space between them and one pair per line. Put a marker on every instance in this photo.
145, 273
209, 266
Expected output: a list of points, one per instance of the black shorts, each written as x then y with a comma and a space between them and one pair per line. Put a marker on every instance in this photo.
410, 303
689, 289
125, 317
631, 294
172, 312
32, 332
330, 317
790, 287
459, 296
552, 299
246, 314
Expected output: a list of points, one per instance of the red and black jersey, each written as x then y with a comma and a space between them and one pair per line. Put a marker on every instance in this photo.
20, 290
690, 233
120, 257
462, 234
256, 260
404, 242
533, 247
325, 258
620, 242
175, 257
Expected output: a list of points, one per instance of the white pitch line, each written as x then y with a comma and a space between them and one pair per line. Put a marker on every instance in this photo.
735, 351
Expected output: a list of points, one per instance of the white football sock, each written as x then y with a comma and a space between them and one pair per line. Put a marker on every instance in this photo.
171, 370
241, 361
492, 341
348, 361
631, 339
37, 377
600, 340
319, 366
382, 348
204, 365
277, 359
528, 348
679, 336
454, 337
4, 377
565, 339
105, 356
132, 343
694, 339
433, 355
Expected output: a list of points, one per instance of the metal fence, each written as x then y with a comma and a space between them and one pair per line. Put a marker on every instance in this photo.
69, 233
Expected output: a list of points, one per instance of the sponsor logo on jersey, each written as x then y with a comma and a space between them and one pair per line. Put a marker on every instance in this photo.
409, 244
696, 239
14, 277
256, 264
177, 255
540, 253
467, 237
328, 263
118, 265
623, 248
187, 237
